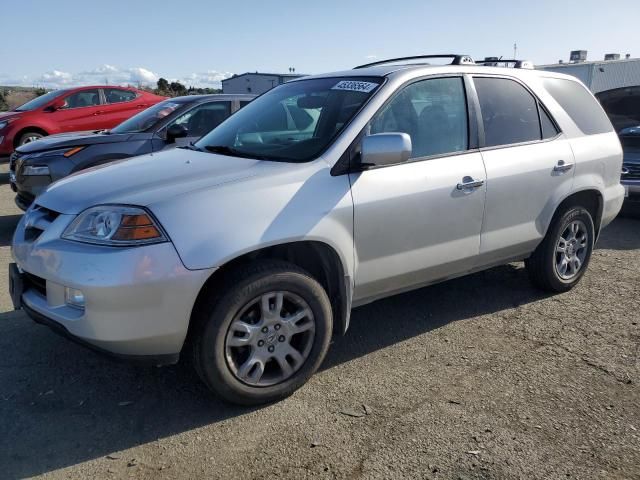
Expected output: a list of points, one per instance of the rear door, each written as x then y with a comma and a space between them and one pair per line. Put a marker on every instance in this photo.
529, 164
420, 221
82, 111
119, 104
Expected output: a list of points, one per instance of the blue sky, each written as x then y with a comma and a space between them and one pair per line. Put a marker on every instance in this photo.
199, 42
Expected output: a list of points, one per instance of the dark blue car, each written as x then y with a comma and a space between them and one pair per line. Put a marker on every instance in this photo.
173, 122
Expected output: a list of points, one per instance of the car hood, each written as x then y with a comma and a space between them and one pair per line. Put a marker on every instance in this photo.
149, 179
73, 140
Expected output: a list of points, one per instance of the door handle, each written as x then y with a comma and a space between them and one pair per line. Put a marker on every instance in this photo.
469, 183
562, 166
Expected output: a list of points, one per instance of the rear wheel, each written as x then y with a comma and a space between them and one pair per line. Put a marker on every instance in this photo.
29, 137
264, 335
560, 261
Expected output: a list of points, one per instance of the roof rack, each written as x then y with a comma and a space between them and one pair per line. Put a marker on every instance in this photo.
495, 62
457, 59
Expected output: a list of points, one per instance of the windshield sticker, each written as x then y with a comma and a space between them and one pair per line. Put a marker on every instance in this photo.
355, 86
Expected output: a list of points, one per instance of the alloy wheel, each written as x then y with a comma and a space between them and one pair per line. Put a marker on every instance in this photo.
571, 249
270, 338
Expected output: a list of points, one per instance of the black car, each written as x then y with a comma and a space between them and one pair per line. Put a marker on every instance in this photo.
173, 122
623, 107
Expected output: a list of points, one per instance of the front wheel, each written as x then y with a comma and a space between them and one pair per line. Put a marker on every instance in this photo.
29, 137
560, 261
264, 335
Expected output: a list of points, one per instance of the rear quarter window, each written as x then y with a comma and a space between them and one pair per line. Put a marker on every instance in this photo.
579, 104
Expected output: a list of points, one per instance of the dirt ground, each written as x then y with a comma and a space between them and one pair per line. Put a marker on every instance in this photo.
478, 378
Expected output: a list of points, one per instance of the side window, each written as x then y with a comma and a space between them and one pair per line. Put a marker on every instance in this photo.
117, 95
509, 112
204, 118
549, 129
583, 109
244, 103
432, 112
85, 98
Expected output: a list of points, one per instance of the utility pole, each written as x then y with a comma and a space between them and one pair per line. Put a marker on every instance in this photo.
515, 51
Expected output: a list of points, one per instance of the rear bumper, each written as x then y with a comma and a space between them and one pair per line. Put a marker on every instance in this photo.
613, 199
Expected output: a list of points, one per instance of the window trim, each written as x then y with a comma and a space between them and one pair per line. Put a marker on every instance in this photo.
346, 164
484, 148
104, 95
100, 97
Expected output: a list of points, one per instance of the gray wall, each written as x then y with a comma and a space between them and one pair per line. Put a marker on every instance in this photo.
254, 83
616, 74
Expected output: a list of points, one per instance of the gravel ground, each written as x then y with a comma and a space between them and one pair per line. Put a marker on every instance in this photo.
478, 378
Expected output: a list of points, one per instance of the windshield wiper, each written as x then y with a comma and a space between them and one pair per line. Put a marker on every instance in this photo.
232, 152
191, 146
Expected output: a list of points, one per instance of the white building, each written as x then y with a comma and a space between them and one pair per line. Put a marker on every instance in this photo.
601, 76
256, 83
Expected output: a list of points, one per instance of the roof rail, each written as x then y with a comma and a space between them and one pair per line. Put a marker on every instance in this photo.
495, 62
457, 59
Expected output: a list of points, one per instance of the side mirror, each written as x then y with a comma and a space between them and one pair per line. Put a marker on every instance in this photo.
57, 105
176, 131
385, 149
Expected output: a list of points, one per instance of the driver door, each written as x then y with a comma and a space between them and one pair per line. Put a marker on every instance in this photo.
419, 221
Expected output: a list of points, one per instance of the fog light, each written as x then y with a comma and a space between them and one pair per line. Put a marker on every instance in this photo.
73, 297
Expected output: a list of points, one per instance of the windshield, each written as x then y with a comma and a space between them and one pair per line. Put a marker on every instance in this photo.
40, 101
147, 118
294, 122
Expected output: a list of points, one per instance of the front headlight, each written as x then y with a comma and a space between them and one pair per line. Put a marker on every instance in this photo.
4, 124
115, 225
35, 170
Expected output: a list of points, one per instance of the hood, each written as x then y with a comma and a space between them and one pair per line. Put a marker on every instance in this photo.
73, 140
149, 179
631, 156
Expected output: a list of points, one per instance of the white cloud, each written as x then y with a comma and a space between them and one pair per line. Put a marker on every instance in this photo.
112, 75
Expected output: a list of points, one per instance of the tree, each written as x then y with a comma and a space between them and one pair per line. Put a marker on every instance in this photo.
177, 89
3, 102
163, 85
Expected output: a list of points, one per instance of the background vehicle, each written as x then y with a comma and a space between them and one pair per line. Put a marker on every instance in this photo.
174, 122
252, 246
71, 110
623, 107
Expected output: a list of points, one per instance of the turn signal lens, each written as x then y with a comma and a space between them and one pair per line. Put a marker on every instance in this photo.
72, 151
136, 227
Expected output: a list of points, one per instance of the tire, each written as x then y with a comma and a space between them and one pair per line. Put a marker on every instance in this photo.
545, 265
238, 326
29, 137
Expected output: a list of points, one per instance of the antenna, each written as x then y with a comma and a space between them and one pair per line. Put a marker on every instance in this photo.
515, 50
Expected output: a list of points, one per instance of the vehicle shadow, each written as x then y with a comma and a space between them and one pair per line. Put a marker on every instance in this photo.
621, 234
62, 405
8, 225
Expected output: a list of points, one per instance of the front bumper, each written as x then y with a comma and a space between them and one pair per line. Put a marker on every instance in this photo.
632, 188
138, 301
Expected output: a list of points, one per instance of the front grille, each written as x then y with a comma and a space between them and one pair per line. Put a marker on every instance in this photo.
12, 161
37, 221
33, 282
632, 171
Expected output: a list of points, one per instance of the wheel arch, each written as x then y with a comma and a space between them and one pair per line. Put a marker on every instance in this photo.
22, 131
318, 258
589, 198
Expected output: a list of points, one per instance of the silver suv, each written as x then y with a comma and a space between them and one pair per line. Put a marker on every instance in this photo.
249, 250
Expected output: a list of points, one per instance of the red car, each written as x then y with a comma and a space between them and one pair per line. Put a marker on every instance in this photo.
71, 110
